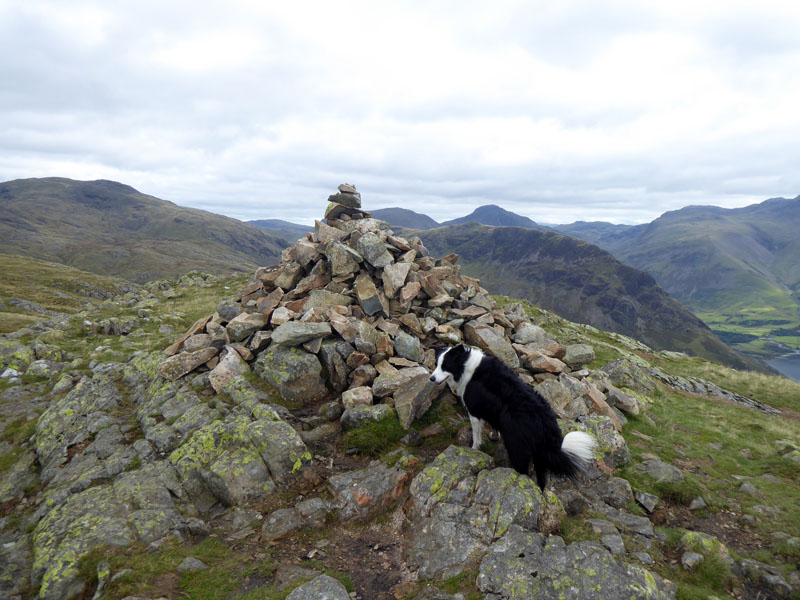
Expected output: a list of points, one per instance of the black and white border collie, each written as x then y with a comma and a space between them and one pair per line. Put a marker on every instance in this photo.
492, 392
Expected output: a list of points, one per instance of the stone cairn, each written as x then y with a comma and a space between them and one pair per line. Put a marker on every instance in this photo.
353, 310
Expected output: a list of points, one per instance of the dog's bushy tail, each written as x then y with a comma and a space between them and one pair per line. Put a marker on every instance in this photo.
576, 452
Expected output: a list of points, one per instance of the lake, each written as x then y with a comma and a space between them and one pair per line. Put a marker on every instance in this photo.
788, 365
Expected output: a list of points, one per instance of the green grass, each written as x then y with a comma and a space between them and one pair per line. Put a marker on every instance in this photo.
374, 439
770, 389
18, 431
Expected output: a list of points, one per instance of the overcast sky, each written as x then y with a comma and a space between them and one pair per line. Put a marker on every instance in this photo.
560, 111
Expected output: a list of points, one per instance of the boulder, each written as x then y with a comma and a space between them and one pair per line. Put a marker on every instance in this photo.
296, 375
578, 355
361, 494
323, 587
362, 415
524, 565
229, 367
490, 340
294, 333
180, 364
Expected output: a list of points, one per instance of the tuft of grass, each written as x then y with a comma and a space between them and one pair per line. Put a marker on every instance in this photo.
19, 430
9, 459
463, 583
373, 439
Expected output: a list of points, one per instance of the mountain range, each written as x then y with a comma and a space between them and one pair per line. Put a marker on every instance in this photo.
737, 269
580, 282
111, 229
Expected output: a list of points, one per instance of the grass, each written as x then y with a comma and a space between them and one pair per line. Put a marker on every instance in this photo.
18, 431
769, 389
374, 439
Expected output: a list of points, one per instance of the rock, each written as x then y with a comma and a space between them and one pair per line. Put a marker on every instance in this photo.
622, 401
614, 544
239, 459
229, 367
342, 259
408, 346
359, 396
190, 564
394, 277
69, 531
578, 355
766, 575
294, 333
279, 523
321, 588
326, 233
361, 415
630, 372
613, 490
364, 493
660, 471
374, 251
415, 398
367, 295
697, 503
180, 364
313, 511
528, 565
648, 501
245, 325
528, 333
324, 299
690, 560
749, 489
295, 375
489, 340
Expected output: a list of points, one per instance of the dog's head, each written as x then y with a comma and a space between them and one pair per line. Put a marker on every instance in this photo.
450, 363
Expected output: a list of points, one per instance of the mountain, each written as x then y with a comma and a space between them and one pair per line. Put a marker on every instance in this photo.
402, 217
280, 225
737, 269
495, 216
111, 229
580, 282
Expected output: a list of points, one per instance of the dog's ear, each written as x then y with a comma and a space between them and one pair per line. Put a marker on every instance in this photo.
438, 350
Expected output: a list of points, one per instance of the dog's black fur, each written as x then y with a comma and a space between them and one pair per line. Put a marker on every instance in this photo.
524, 419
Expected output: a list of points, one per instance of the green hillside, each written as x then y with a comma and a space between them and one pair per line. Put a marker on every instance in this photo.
580, 282
111, 229
32, 289
737, 269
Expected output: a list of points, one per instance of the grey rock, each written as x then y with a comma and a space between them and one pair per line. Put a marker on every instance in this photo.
245, 325
613, 490
313, 511
295, 375
622, 401
342, 259
648, 501
408, 346
321, 588
373, 249
190, 564
697, 503
690, 560
528, 333
279, 523
324, 299
367, 295
749, 489
361, 415
394, 277
660, 471
359, 396
361, 494
415, 398
614, 544
579, 570
294, 333
489, 340
179, 365
232, 365
578, 355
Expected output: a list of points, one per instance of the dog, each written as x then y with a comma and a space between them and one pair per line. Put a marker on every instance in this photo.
492, 392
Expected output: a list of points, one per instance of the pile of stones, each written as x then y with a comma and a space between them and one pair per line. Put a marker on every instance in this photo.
352, 312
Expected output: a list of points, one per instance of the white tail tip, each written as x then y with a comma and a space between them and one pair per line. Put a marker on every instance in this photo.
580, 445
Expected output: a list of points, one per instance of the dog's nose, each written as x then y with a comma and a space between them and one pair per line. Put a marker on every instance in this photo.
433, 379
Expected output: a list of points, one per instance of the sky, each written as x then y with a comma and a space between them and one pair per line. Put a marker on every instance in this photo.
560, 111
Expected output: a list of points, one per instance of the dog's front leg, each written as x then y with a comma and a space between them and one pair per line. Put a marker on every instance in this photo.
477, 431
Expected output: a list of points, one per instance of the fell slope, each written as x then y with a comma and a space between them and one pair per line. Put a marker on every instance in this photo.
495, 216
403, 217
738, 269
583, 283
111, 229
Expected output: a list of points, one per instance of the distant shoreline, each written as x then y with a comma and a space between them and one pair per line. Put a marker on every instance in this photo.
787, 364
